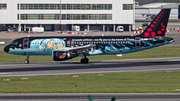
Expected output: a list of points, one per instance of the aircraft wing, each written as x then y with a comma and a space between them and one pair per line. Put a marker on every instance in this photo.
78, 49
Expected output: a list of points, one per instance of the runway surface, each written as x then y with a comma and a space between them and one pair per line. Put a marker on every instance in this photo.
94, 96
52, 68
59, 68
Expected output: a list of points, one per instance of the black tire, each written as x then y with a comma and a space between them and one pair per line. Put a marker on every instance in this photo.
82, 60
26, 62
85, 60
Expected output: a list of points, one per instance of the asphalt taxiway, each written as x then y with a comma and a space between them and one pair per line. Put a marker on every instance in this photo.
60, 68
94, 96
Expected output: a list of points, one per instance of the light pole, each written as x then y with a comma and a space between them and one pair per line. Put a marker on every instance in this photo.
133, 15
19, 27
60, 15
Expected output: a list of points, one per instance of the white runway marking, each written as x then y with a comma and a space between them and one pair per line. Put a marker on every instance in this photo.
4, 73
17, 65
5, 65
175, 60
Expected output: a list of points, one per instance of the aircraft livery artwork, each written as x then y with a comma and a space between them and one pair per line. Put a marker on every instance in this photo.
68, 47
47, 44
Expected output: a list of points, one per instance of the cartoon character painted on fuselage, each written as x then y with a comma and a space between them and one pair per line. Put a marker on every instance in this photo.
49, 46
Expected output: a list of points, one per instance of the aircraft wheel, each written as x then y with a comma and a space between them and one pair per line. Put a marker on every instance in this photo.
26, 62
85, 60
27, 59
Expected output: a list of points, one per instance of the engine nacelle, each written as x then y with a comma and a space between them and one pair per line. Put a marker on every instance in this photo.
61, 56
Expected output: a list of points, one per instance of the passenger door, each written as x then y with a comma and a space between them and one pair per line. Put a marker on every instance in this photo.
25, 43
137, 42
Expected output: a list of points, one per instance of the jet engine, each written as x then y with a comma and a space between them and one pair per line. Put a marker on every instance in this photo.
61, 56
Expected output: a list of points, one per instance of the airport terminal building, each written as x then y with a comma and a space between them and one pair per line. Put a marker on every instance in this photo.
152, 9
53, 15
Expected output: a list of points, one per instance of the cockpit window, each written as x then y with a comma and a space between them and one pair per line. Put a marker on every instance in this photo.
14, 43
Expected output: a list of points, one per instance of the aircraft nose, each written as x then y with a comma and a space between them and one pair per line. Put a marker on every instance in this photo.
6, 49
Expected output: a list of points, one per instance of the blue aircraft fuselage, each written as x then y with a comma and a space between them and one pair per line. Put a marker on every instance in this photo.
102, 44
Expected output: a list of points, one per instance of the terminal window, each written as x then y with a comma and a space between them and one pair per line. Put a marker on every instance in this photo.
127, 6
65, 16
65, 6
3, 6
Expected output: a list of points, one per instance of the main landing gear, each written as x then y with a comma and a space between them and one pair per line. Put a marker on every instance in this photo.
84, 60
27, 59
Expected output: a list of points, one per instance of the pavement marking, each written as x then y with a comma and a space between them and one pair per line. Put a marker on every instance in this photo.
4, 73
96, 72
10, 37
175, 36
18, 65
6, 65
175, 60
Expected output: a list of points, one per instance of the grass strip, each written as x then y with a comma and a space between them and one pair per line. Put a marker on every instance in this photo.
126, 82
158, 52
4, 44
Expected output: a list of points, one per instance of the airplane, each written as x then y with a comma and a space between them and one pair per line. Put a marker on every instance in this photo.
67, 47
148, 16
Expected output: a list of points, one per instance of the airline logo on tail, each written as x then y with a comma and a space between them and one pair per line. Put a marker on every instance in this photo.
158, 25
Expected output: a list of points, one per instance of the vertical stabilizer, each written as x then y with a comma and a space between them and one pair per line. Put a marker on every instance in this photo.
158, 26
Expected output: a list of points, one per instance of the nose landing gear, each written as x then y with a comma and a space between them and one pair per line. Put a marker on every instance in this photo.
27, 59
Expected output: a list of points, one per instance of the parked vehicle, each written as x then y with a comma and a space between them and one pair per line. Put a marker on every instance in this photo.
76, 28
38, 29
140, 29
120, 29
12, 29
144, 25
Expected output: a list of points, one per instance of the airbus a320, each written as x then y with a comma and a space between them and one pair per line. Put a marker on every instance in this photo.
67, 47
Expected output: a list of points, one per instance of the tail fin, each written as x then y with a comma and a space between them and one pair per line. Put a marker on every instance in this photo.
158, 26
